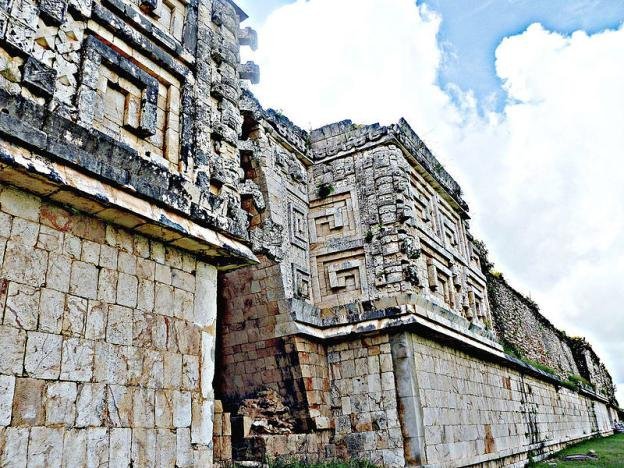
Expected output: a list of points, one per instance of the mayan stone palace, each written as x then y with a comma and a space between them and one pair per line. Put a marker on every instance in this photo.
188, 279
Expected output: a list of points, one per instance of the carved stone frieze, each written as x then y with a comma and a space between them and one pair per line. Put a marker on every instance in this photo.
268, 239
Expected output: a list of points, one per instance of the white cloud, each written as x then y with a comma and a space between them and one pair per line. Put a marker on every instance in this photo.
544, 176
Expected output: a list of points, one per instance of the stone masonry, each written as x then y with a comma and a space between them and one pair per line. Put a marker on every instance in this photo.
375, 317
189, 279
121, 196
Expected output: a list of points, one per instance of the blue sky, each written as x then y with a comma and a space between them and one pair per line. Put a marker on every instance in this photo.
521, 100
472, 29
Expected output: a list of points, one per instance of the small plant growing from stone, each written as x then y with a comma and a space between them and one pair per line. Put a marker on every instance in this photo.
325, 190
369, 236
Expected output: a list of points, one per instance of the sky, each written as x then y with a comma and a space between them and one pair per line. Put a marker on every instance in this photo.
521, 100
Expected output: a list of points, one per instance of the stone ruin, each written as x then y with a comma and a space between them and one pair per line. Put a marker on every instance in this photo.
187, 278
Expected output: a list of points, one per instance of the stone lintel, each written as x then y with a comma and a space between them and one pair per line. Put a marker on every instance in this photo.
66, 186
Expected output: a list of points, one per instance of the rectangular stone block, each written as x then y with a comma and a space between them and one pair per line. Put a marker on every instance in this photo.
43, 355
144, 447
164, 409
119, 400
75, 447
74, 316
28, 403
77, 361
165, 447
184, 455
107, 285
12, 350
7, 389
120, 448
60, 403
45, 447
24, 232
51, 308
108, 257
111, 365
97, 446
97, 316
143, 405
50, 239
119, 329
14, 446
22, 306
24, 265
83, 280
90, 405
182, 409
59, 270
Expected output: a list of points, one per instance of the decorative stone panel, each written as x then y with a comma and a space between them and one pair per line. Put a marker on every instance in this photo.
334, 216
298, 225
124, 101
340, 278
301, 282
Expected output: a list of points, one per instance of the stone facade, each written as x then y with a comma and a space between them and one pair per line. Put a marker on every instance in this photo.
473, 409
188, 278
520, 326
105, 336
117, 209
365, 250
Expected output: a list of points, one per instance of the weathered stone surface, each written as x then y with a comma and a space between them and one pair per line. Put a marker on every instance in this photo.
7, 389
51, 310
22, 306
45, 447
28, 403
90, 405
60, 406
12, 351
108, 337
77, 362
83, 280
43, 355
119, 329
14, 443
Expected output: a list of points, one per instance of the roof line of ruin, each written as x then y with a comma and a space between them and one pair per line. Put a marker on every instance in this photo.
345, 136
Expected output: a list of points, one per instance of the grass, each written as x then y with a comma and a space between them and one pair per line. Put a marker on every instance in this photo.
610, 451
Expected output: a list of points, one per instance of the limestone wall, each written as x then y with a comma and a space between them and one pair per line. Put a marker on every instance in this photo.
473, 410
364, 403
257, 304
519, 322
592, 368
107, 343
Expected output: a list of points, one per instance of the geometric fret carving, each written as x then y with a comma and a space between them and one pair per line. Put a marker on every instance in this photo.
339, 278
122, 100
301, 282
333, 216
298, 225
141, 109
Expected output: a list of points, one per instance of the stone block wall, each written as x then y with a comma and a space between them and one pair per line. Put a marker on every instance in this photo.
474, 410
258, 351
222, 435
592, 368
519, 322
107, 343
364, 403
